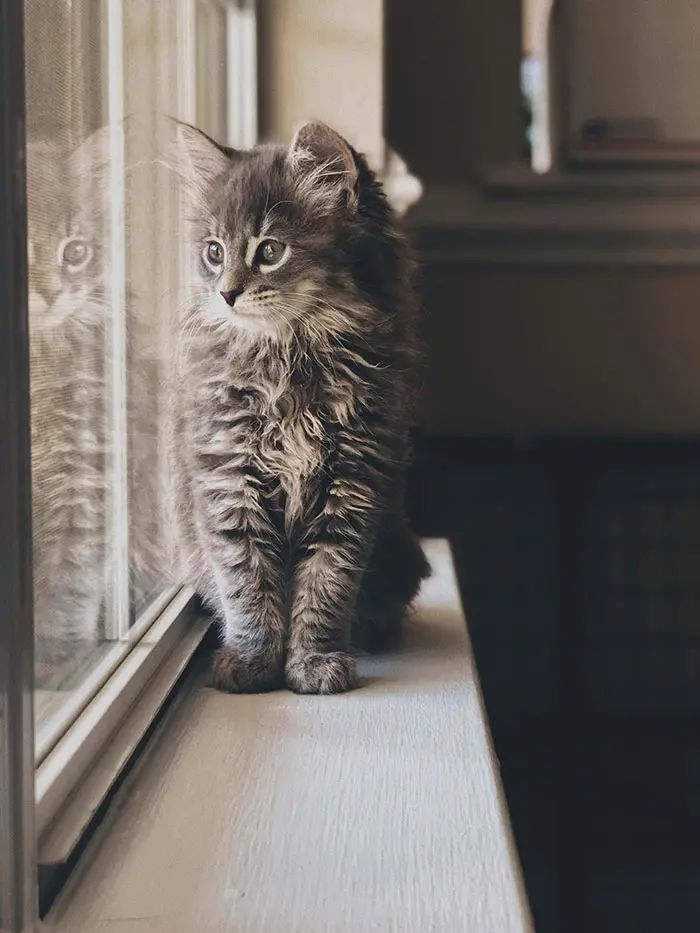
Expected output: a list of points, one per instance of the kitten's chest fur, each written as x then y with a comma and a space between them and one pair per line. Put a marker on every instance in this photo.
290, 448
270, 428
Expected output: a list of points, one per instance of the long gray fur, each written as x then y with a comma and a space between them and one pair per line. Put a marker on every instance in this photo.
291, 412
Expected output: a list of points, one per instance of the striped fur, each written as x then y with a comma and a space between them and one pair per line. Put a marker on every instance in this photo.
292, 410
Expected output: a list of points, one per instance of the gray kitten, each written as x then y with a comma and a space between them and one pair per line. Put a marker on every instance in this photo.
292, 406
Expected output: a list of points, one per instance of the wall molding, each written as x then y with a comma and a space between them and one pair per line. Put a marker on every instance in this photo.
460, 225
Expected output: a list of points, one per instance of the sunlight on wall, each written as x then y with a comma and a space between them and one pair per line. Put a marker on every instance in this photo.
325, 62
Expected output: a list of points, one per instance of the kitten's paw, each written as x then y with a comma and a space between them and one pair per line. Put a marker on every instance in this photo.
236, 674
334, 672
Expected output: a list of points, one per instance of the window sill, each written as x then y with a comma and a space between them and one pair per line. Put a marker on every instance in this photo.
381, 809
77, 773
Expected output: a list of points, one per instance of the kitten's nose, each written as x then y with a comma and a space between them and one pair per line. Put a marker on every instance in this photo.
230, 296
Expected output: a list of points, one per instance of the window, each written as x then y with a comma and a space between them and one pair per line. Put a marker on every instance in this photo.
535, 81
103, 280
100, 290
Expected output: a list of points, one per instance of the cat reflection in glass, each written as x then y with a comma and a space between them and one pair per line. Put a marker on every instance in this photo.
72, 346
68, 315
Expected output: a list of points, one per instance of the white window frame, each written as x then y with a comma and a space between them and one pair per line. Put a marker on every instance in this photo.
539, 36
242, 80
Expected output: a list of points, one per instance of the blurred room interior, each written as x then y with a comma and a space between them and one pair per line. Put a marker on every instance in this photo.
559, 442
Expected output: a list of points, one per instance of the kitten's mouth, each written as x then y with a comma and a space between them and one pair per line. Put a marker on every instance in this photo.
250, 309
256, 319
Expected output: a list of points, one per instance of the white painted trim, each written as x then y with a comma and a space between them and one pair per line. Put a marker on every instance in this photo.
49, 731
117, 611
187, 44
543, 136
461, 225
66, 764
67, 829
242, 73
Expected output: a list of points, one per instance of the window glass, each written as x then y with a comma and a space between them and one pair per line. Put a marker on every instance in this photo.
105, 250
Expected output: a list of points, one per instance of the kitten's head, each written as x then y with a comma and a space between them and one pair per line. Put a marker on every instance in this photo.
276, 232
67, 226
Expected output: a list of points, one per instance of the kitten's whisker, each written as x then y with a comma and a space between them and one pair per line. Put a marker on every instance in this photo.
268, 211
340, 322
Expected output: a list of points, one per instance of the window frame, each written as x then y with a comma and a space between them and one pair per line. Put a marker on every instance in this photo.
17, 837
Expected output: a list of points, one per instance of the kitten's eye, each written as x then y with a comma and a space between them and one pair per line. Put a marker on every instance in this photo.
74, 253
214, 253
269, 252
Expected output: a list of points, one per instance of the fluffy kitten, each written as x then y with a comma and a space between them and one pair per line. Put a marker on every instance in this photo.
292, 406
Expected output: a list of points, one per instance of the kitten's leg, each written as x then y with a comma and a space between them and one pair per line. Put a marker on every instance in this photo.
390, 583
247, 573
327, 578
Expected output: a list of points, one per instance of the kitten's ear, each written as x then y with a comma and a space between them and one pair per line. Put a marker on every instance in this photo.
325, 162
201, 158
94, 155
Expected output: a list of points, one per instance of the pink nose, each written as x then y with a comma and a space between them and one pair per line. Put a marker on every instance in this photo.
230, 297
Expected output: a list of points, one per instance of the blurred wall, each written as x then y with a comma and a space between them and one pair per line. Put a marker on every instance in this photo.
529, 350
452, 85
322, 59
536, 350
636, 59
451, 70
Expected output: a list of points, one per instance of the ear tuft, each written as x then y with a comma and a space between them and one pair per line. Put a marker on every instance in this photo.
95, 154
203, 159
324, 160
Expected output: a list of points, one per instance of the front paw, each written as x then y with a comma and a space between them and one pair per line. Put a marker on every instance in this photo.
334, 672
234, 673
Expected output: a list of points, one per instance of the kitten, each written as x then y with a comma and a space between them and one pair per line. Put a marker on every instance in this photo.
292, 405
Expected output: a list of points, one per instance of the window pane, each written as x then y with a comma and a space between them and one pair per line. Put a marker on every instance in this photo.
153, 88
105, 266
68, 173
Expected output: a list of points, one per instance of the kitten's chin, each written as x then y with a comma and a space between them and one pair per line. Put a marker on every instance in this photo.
46, 318
243, 318
260, 325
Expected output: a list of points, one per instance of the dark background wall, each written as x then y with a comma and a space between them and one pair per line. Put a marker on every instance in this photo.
532, 351
452, 80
